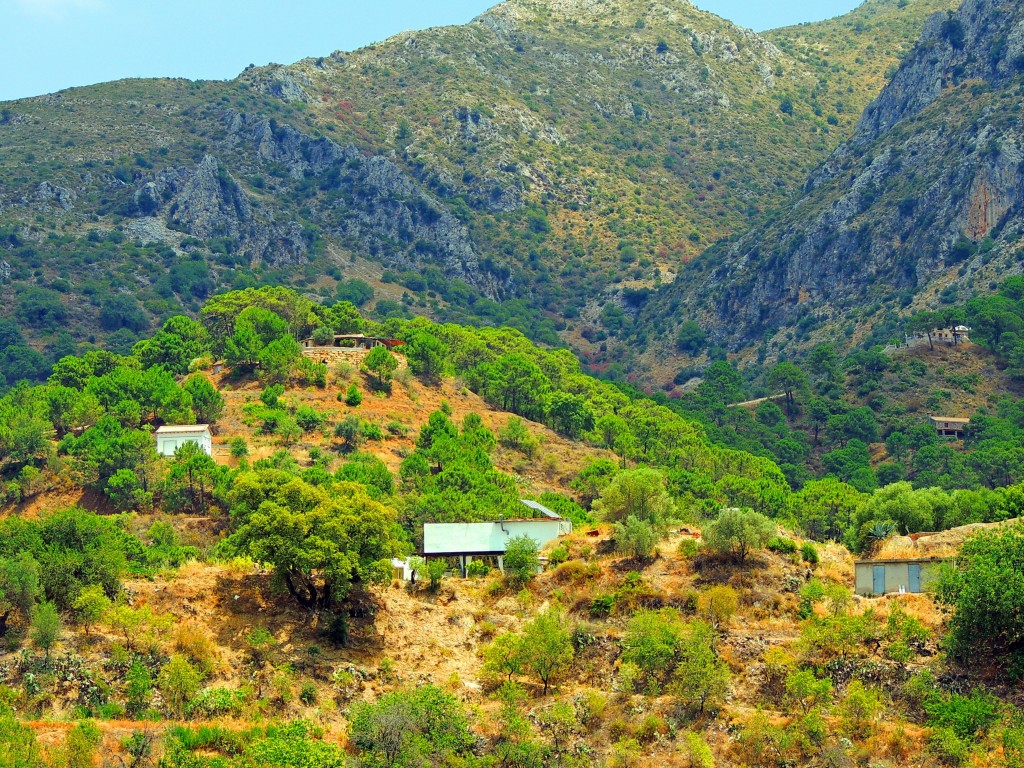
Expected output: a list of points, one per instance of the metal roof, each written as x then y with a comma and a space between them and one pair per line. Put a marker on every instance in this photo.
171, 428
540, 508
477, 538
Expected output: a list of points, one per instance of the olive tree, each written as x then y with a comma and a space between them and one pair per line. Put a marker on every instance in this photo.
986, 591
701, 677
737, 532
521, 558
317, 542
423, 726
547, 646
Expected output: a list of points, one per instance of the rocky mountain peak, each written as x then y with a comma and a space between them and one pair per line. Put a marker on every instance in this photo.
601, 12
983, 40
923, 205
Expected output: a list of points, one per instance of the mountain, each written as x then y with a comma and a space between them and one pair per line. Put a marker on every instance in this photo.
542, 167
922, 207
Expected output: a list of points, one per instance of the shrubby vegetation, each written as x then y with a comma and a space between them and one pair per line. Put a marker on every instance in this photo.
328, 528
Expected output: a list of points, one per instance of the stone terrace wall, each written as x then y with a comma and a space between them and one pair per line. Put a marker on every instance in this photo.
352, 355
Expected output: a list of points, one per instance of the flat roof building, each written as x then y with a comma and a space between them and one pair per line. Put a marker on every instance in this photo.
170, 437
490, 539
354, 340
950, 426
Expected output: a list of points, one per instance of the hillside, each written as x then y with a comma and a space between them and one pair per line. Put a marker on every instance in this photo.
920, 209
541, 167
244, 610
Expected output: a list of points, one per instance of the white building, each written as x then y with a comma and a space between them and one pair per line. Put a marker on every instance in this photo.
171, 437
484, 540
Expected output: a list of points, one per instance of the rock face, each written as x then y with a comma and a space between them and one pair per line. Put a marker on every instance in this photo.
377, 206
206, 202
927, 193
984, 40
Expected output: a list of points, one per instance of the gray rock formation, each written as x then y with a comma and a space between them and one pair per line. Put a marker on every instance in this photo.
51, 194
984, 40
931, 188
369, 202
206, 202
379, 206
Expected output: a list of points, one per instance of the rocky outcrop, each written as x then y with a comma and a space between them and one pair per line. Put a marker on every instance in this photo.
984, 40
931, 188
282, 83
376, 203
369, 202
51, 194
206, 202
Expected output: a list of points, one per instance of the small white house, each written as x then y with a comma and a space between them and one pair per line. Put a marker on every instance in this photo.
469, 540
171, 437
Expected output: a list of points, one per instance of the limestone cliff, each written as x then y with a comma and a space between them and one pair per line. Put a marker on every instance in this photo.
927, 195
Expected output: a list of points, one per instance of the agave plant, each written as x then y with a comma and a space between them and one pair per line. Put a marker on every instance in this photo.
880, 531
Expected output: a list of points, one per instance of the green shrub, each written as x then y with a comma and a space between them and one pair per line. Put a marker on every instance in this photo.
782, 546
635, 538
308, 694
650, 728
81, 744
215, 702
602, 606
698, 751
949, 748
435, 572
809, 553
967, 717
353, 396
308, 418
312, 372
372, 431
521, 559
239, 448
688, 548
558, 555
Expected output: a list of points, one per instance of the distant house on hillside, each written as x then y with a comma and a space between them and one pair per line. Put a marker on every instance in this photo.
489, 540
881, 577
171, 437
354, 341
956, 335
950, 426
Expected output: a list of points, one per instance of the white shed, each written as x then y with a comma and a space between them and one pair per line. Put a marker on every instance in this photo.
171, 437
469, 540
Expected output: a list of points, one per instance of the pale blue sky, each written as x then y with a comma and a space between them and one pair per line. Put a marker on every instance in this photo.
52, 44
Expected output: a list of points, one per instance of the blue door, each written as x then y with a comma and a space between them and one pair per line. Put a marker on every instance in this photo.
914, 577
878, 580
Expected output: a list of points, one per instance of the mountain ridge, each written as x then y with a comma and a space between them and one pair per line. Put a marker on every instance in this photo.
923, 199
519, 170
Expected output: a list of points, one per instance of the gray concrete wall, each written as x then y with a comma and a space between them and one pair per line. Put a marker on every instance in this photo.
897, 574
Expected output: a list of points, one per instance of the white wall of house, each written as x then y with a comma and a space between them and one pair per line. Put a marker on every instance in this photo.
485, 538
167, 444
